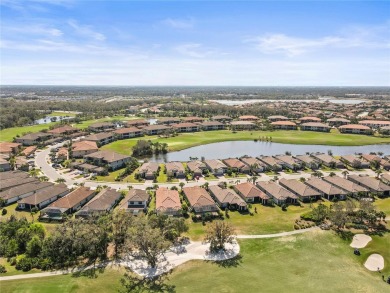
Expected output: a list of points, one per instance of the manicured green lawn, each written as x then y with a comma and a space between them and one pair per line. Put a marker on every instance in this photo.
64, 114
187, 140
312, 262
11, 271
9, 133
110, 177
383, 205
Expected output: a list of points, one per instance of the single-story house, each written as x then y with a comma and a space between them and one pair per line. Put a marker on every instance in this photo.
248, 118
107, 158
168, 120
199, 200
90, 168
212, 125
308, 119
149, 170
216, 167
196, 168
372, 184
279, 194
186, 127
347, 185
242, 125
12, 175
175, 169
303, 191
140, 123
355, 129
227, 198
43, 197
136, 201
168, 202
375, 123
236, 165
254, 164
338, 121
272, 163
4, 164
33, 138
221, 118
385, 178
103, 202
124, 133
250, 193
101, 138
68, 204
371, 157
354, 162
289, 162
29, 151
83, 147
16, 193
327, 190
286, 125
315, 126
101, 126
19, 179
9, 148
328, 160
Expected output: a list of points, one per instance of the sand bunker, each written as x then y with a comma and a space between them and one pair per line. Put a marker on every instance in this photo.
360, 240
375, 262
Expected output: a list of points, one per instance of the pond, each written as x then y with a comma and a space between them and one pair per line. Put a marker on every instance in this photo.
233, 149
242, 102
49, 119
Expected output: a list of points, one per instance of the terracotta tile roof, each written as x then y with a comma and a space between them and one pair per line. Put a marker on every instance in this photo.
29, 150
234, 163
283, 123
8, 147
148, 168
84, 145
167, 199
215, 164
98, 136
370, 182
72, 199
315, 124
226, 195
184, 124
196, 166
310, 118
63, 129
355, 126
242, 123
249, 190
108, 156
173, 166
126, 130
198, 197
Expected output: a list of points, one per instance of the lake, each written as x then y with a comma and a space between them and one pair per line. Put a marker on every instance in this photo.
243, 102
233, 149
48, 119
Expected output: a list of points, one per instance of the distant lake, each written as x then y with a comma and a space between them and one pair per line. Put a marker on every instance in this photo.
243, 102
233, 149
47, 119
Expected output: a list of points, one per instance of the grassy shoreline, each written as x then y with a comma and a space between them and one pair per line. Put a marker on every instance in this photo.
188, 140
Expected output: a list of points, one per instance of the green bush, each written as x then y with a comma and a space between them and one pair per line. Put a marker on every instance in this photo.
24, 264
308, 216
2, 269
3, 212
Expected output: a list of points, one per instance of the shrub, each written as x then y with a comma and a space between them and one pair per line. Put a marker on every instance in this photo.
3, 212
308, 216
24, 264
2, 269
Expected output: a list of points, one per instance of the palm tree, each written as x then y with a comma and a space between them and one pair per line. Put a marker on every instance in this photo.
345, 173
12, 162
302, 179
254, 179
317, 174
181, 184
34, 172
332, 174
60, 180
44, 178
378, 173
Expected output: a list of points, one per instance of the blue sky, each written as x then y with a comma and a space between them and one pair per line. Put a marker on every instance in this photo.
249, 43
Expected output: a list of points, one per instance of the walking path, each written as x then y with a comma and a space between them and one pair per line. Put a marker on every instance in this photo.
175, 257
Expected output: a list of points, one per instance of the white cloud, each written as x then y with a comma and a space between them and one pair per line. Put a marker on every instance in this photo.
193, 50
86, 30
179, 23
33, 29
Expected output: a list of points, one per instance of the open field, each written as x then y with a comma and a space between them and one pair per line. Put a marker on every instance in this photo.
61, 113
312, 262
187, 140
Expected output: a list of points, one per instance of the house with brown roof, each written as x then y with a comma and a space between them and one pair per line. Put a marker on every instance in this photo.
250, 193
12, 175
236, 165
175, 169
285, 125
199, 200
101, 138
29, 151
355, 129
242, 125
248, 118
43, 197
149, 170
168, 202
315, 126
136, 201
327, 190
375, 123
385, 178
196, 168
303, 191
9, 148
128, 132
308, 119
19, 179
289, 162
186, 127
139, 123
4, 164
83, 147
212, 125
168, 120
272, 163
192, 119
276, 192
274, 118
372, 184
328, 160
347, 185
216, 167
63, 130
338, 121
371, 157
354, 162
33, 138
101, 126
156, 129
68, 204
16, 193
254, 164
103, 202
227, 198
107, 158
